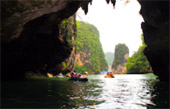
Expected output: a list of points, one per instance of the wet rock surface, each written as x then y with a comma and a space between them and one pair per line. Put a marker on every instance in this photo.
156, 35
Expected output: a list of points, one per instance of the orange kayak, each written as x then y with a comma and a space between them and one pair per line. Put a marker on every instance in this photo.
108, 76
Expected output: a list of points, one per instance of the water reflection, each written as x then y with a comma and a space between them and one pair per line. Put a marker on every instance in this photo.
123, 91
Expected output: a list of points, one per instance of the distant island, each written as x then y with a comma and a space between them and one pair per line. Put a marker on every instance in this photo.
109, 56
121, 55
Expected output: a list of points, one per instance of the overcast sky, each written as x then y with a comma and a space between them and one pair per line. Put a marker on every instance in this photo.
119, 25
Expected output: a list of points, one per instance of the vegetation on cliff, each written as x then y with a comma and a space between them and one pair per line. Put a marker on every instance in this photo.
109, 56
89, 48
138, 62
68, 35
121, 53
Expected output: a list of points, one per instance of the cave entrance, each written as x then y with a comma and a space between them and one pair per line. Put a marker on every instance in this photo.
118, 24
38, 46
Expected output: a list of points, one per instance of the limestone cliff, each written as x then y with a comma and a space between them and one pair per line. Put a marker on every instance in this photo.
120, 58
89, 52
68, 33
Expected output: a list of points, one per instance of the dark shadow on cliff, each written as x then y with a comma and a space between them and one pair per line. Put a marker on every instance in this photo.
38, 46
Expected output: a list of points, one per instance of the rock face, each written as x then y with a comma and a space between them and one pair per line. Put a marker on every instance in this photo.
121, 55
68, 34
156, 35
30, 35
16, 14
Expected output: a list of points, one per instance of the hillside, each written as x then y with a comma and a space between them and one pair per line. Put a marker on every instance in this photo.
89, 53
138, 62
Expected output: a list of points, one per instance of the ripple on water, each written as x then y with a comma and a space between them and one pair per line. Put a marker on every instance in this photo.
121, 92
133, 92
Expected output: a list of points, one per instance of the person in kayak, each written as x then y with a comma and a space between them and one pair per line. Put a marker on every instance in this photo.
79, 75
73, 75
109, 75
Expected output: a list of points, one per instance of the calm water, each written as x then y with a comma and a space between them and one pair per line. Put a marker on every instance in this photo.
121, 92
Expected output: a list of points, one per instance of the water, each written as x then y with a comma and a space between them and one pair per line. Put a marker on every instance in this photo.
121, 92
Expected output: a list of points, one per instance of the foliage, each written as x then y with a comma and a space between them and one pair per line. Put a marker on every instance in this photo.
67, 30
109, 56
138, 61
120, 51
89, 43
64, 65
80, 69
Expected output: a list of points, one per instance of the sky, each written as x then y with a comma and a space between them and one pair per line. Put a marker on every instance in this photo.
121, 24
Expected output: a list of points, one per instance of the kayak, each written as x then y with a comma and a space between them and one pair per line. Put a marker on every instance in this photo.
79, 79
108, 76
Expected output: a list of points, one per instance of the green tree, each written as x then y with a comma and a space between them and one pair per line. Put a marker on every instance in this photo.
138, 61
